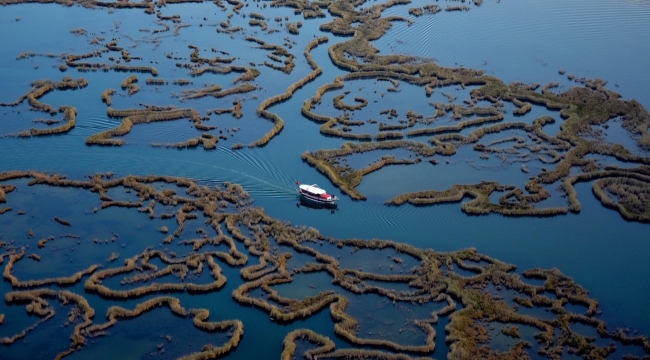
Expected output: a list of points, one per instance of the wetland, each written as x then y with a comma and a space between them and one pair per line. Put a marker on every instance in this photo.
490, 208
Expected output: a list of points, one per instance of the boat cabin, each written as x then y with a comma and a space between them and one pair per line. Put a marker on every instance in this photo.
313, 191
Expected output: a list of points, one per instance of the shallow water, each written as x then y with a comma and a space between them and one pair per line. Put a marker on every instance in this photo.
515, 41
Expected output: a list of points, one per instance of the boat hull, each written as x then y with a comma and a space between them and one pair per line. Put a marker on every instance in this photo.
318, 206
317, 201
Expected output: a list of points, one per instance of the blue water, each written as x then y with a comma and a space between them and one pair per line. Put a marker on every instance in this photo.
525, 41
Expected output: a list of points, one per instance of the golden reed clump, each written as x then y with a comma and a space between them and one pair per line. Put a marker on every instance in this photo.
260, 23
277, 120
236, 327
249, 74
289, 344
106, 96
73, 61
339, 104
217, 92
631, 196
329, 122
235, 110
15, 282
142, 116
347, 179
39, 89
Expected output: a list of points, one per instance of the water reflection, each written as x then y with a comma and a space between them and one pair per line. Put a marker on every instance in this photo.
310, 205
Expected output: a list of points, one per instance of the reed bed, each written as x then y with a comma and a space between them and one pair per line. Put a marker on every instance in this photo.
545, 148
37, 305
597, 105
264, 105
176, 266
132, 117
339, 104
149, 209
257, 16
345, 324
416, 11
62, 222
182, 82
260, 23
480, 204
278, 51
640, 340
115, 313
329, 122
69, 118
73, 61
195, 94
289, 344
346, 328
249, 74
289, 64
106, 96
457, 8
129, 80
511, 331
132, 89
522, 107
194, 56
631, 196
384, 127
348, 179
155, 81
293, 29
429, 9
216, 91
32, 98
367, 354
237, 5
40, 306
208, 141
229, 30
39, 89
390, 135
328, 129
16, 283
235, 110
495, 116
35, 257
550, 85
430, 277
237, 329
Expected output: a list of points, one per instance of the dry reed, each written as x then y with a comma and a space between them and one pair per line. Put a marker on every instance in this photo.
431, 278
133, 117
106, 96
264, 105
15, 282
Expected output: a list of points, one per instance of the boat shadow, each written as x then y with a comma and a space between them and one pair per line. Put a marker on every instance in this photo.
310, 205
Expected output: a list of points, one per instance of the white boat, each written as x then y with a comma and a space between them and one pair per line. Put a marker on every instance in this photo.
316, 195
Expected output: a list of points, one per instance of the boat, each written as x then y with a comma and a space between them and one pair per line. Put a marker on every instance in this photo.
316, 195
